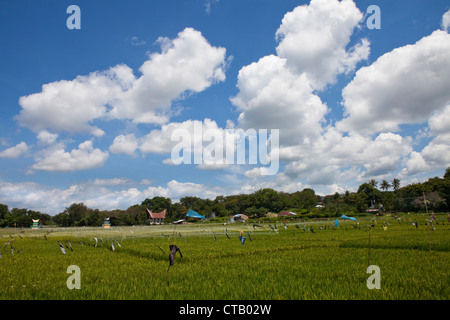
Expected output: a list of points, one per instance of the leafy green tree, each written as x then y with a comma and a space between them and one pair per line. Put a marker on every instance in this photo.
158, 204
93, 218
434, 201
359, 201
202, 206
139, 214
3, 212
61, 219
77, 213
270, 199
178, 211
389, 200
20, 217
372, 193
232, 204
442, 187
305, 199
219, 210
447, 173
256, 212
44, 218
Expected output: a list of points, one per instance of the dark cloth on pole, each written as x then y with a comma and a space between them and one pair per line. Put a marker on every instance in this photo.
173, 250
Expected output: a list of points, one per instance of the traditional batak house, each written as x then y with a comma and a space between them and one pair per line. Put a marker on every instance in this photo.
157, 217
106, 223
35, 224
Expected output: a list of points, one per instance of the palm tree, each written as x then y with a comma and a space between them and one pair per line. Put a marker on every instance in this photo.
385, 185
396, 184
373, 183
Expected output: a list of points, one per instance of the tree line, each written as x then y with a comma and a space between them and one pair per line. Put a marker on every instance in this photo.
386, 196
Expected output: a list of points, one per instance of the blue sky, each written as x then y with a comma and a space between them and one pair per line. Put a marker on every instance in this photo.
87, 114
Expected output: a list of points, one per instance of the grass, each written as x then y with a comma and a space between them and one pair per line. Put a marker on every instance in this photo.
289, 265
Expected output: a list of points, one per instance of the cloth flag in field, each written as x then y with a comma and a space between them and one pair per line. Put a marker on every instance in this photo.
193, 214
336, 222
62, 247
350, 218
431, 222
70, 245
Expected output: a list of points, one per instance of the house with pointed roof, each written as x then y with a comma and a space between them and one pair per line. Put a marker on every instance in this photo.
106, 223
157, 217
286, 213
35, 224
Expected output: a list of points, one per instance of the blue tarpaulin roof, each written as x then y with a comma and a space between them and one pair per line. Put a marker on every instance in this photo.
193, 214
350, 218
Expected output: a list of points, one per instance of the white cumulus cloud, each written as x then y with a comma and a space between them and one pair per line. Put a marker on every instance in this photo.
314, 40
446, 20
15, 152
187, 64
71, 106
126, 144
56, 158
271, 96
403, 86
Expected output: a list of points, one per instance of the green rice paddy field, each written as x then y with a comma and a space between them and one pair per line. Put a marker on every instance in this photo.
291, 264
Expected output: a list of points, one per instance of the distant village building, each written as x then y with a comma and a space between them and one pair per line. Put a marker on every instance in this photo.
157, 217
286, 213
106, 223
240, 217
35, 224
271, 215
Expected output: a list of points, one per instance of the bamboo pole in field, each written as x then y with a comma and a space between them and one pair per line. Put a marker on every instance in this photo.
429, 222
368, 251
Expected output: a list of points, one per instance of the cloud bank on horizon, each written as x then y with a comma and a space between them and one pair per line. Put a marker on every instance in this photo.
389, 118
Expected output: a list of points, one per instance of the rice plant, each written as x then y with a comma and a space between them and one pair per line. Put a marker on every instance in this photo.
286, 264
